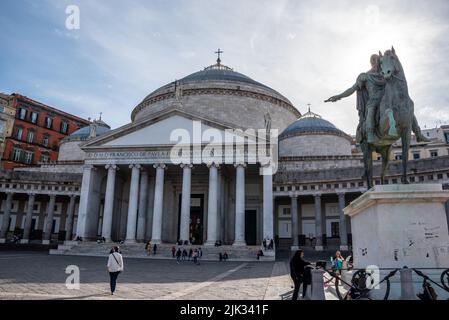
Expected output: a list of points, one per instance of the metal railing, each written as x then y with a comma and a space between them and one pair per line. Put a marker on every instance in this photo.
364, 286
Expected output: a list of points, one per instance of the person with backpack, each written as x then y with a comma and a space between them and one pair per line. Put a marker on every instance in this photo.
115, 266
178, 255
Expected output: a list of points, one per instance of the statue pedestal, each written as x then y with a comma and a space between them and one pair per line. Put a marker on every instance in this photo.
400, 225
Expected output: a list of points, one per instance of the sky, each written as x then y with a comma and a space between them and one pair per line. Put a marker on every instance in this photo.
306, 50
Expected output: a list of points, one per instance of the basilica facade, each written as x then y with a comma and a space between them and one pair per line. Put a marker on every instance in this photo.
176, 172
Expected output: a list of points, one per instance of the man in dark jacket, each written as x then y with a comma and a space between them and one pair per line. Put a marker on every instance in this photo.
300, 273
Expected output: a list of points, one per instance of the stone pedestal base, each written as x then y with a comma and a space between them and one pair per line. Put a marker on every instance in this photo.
344, 248
45, 241
239, 243
25, 241
294, 248
2, 240
400, 225
319, 248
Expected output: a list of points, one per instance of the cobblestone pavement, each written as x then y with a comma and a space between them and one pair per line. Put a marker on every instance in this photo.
41, 276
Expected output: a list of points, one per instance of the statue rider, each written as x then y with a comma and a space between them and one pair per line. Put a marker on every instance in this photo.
370, 90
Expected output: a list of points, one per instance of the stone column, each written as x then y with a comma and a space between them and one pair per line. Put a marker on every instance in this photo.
294, 213
212, 214
6, 215
268, 206
156, 234
132, 205
106, 229
49, 222
143, 200
239, 238
342, 224
185, 202
318, 231
69, 219
85, 200
28, 219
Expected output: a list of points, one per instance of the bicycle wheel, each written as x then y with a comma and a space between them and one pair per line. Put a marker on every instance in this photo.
445, 279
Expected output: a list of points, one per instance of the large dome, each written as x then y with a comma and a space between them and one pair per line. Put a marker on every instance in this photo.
314, 136
219, 93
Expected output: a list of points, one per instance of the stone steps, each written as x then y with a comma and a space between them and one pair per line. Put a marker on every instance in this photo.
137, 250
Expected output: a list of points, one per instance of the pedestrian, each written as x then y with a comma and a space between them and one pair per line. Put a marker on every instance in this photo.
264, 244
270, 246
154, 249
259, 254
200, 253
184, 254
299, 273
115, 266
225, 256
190, 254
195, 256
220, 256
149, 247
178, 255
338, 262
173, 251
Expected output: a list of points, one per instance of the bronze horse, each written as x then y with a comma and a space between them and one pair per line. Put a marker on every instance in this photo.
395, 118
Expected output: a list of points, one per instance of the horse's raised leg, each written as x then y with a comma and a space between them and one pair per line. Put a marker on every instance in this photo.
385, 153
405, 140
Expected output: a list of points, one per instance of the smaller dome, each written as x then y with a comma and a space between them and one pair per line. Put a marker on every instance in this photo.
312, 136
310, 123
84, 132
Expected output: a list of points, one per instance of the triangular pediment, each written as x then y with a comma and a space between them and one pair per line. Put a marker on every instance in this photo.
162, 130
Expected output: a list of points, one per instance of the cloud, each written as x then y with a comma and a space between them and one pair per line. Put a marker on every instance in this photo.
306, 50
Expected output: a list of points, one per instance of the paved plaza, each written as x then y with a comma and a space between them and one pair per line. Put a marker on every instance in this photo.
33, 275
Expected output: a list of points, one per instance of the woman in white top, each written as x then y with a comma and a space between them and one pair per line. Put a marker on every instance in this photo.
115, 266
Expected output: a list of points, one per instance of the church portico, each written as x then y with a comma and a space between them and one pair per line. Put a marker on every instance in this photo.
185, 197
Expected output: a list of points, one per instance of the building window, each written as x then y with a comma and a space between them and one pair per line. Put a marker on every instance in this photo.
335, 229
2, 108
421, 178
48, 122
440, 176
45, 140
394, 181
28, 157
430, 177
2, 126
416, 155
16, 154
44, 158
19, 133
412, 179
397, 156
34, 116
305, 187
433, 153
30, 136
22, 113
64, 127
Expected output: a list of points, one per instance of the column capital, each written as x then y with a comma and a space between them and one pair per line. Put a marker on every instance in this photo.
317, 195
89, 167
159, 166
112, 167
135, 166
73, 195
186, 165
293, 194
240, 164
213, 164
341, 193
31, 194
